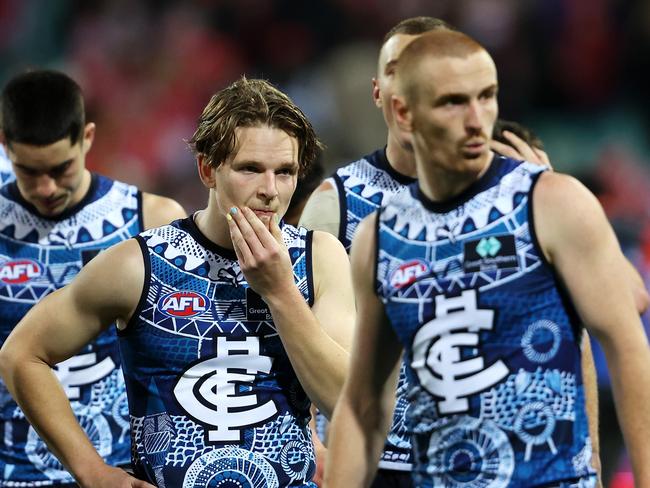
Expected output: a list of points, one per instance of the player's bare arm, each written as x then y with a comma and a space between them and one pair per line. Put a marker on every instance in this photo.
322, 210
158, 210
317, 339
364, 411
107, 289
577, 239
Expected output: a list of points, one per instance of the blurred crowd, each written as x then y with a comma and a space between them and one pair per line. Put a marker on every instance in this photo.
574, 71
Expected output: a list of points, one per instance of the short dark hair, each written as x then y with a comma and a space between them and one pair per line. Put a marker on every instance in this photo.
40, 107
524, 133
251, 103
416, 25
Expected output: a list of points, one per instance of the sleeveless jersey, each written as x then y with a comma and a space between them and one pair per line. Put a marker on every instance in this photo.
363, 186
490, 338
6, 171
213, 397
39, 255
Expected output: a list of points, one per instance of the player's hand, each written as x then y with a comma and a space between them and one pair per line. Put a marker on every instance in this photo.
262, 255
521, 150
111, 477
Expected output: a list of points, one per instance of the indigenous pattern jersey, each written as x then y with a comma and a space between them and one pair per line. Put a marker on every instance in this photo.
39, 255
6, 172
363, 186
213, 397
491, 341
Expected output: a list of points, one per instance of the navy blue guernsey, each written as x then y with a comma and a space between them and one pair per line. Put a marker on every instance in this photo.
39, 255
213, 397
490, 338
363, 186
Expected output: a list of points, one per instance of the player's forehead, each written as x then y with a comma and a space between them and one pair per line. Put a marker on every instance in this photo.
392, 48
265, 144
42, 157
444, 75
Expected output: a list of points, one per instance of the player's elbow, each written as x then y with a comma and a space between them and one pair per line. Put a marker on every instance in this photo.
9, 362
641, 299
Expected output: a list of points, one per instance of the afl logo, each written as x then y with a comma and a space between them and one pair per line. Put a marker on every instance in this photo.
407, 273
183, 304
20, 271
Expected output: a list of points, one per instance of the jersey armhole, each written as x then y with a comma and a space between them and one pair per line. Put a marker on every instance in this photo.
343, 208
145, 286
569, 307
138, 197
375, 270
309, 267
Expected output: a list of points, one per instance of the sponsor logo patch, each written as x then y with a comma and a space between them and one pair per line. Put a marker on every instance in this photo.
256, 308
20, 271
407, 273
183, 304
490, 253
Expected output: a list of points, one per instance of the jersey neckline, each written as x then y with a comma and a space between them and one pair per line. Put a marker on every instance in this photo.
14, 194
486, 181
189, 225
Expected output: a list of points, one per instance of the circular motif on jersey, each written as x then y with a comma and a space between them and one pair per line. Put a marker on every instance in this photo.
295, 459
94, 425
230, 467
467, 453
534, 423
541, 341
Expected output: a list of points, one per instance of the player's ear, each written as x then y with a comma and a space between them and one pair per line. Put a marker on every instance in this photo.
207, 172
402, 113
88, 136
376, 92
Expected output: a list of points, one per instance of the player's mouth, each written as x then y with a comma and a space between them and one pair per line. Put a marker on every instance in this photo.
52, 203
474, 147
263, 214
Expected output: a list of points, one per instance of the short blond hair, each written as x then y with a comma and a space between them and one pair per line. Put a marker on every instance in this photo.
437, 44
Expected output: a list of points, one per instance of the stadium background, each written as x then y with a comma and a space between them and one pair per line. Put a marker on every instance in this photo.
575, 71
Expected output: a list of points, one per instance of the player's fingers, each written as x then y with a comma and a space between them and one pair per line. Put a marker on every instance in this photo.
543, 156
523, 148
240, 245
276, 232
260, 228
505, 150
141, 484
242, 219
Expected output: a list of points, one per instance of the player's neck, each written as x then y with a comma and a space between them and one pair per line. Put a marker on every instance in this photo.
213, 224
401, 159
440, 184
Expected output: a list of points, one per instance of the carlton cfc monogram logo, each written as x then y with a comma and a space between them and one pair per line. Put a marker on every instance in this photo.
20, 271
440, 349
183, 304
407, 273
220, 392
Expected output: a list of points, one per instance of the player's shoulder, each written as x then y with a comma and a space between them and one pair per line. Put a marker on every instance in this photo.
555, 190
325, 243
158, 210
376, 160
